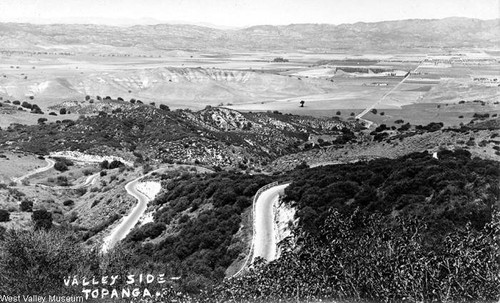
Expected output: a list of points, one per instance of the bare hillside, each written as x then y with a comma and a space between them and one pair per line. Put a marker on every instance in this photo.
388, 35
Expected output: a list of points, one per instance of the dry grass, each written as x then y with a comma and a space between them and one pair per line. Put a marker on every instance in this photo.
18, 164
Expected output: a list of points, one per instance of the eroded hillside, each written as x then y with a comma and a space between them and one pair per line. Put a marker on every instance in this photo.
213, 136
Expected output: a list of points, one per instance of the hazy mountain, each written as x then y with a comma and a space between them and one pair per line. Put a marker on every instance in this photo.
388, 35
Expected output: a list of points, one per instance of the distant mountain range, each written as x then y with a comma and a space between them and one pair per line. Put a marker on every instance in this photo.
387, 35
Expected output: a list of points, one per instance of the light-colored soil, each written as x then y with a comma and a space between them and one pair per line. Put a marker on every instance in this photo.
243, 81
18, 164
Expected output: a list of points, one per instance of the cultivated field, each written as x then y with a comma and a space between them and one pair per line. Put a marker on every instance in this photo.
326, 82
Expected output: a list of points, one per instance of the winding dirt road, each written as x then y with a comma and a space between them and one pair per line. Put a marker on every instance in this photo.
126, 225
50, 164
128, 222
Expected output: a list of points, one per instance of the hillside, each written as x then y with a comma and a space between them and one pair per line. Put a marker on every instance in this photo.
478, 137
374, 230
213, 136
179, 87
387, 231
389, 35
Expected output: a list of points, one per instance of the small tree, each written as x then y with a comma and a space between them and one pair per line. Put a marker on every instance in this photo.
60, 166
42, 219
164, 107
338, 113
104, 164
302, 103
26, 206
62, 111
4, 215
115, 164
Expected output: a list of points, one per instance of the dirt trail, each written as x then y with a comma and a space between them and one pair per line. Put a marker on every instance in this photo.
50, 164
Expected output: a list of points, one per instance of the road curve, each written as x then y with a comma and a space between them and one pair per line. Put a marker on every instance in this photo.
50, 164
126, 225
264, 241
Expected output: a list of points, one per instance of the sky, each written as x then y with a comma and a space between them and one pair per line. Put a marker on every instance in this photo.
240, 13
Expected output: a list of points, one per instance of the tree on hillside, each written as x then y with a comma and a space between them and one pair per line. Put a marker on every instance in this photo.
4, 215
302, 103
42, 219
35, 109
60, 166
115, 164
164, 107
26, 206
374, 111
104, 164
62, 111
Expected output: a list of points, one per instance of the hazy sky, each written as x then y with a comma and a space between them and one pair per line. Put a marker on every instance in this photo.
241, 12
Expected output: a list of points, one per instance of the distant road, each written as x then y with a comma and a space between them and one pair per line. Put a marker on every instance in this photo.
50, 164
264, 236
360, 115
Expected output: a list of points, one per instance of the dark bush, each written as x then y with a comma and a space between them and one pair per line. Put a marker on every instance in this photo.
42, 219
60, 166
4, 215
164, 107
26, 206
68, 202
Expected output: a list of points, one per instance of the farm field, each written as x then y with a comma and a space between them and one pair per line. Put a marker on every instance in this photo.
326, 82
